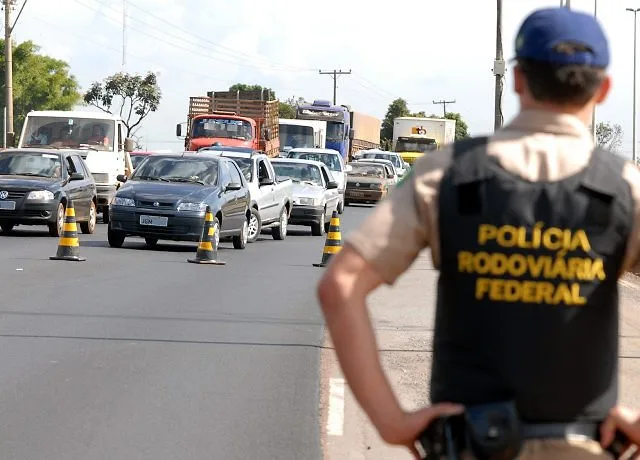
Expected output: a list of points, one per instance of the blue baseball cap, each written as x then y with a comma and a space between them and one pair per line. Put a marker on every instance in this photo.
543, 32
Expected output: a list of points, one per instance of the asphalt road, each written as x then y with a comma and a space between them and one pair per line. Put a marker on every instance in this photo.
136, 353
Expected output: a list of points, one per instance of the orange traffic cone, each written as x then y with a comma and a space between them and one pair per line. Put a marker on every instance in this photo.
68, 245
208, 247
333, 244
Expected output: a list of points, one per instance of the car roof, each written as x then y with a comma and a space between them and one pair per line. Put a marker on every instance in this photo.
375, 160
49, 151
313, 150
299, 161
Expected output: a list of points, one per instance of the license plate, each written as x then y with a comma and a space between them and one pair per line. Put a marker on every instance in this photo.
8, 205
357, 193
155, 221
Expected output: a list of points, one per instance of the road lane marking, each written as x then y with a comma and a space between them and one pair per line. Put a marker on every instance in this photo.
335, 420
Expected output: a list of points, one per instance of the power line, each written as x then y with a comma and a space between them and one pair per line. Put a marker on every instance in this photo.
236, 55
444, 105
334, 73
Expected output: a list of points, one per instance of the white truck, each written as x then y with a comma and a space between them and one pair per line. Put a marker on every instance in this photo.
302, 133
271, 198
98, 137
413, 136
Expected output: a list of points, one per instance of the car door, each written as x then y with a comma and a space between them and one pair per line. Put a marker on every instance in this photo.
226, 197
267, 192
237, 206
75, 188
331, 194
87, 185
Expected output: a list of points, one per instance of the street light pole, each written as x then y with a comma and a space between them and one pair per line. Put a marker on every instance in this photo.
635, 59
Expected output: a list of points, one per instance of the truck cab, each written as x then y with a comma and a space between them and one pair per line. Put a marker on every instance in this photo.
99, 138
226, 129
338, 119
301, 134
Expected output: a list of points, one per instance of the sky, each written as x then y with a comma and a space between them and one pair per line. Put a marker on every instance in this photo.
421, 51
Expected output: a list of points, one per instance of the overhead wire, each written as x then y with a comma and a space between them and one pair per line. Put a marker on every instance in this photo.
193, 47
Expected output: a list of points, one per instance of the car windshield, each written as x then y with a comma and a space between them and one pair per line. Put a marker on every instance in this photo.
331, 161
299, 172
137, 159
367, 170
415, 146
30, 164
69, 132
383, 156
245, 165
171, 169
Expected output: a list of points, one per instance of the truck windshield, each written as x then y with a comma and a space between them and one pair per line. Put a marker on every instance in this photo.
295, 136
299, 172
222, 127
422, 146
30, 164
174, 169
69, 132
335, 131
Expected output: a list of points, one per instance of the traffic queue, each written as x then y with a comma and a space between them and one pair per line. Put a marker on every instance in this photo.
167, 194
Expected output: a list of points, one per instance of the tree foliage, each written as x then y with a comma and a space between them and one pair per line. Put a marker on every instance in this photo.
609, 136
400, 108
288, 108
269, 94
132, 97
40, 82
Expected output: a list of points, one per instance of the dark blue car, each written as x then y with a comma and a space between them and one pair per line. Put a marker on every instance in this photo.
166, 199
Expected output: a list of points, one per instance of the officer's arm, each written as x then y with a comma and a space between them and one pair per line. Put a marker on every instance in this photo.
342, 293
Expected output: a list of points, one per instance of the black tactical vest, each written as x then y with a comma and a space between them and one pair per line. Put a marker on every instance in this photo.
527, 303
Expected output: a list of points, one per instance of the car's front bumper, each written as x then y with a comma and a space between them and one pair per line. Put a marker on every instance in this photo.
305, 214
30, 212
364, 195
181, 226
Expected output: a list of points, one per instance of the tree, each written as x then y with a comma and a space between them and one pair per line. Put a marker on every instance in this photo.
132, 97
609, 136
288, 108
40, 82
397, 108
462, 129
269, 94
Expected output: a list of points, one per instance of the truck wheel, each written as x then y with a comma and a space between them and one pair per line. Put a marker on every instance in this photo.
115, 238
255, 225
105, 215
280, 232
151, 242
317, 228
6, 228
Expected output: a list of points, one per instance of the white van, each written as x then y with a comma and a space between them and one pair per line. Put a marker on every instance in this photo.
98, 137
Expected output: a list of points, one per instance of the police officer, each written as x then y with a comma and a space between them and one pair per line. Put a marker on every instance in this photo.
530, 229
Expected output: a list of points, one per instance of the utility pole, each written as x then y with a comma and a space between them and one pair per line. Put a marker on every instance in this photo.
8, 74
635, 58
499, 70
444, 105
124, 33
334, 74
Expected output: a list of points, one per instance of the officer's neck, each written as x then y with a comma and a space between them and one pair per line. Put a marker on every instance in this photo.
584, 113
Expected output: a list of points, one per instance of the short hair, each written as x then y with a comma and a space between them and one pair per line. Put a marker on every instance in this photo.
561, 84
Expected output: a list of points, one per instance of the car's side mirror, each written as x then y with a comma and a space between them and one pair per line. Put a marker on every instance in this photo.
231, 186
332, 185
121, 178
76, 176
129, 145
390, 176
266, 181
179, 130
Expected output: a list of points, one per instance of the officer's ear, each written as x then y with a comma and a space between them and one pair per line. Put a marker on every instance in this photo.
603, 90
519, 83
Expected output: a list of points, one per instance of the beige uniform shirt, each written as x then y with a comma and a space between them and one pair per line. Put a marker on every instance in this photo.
536, 145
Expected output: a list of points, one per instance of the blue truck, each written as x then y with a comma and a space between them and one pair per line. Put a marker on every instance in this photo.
347, 131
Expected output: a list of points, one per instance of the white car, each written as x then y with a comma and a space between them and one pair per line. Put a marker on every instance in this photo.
333, 161
399, 164
315, 195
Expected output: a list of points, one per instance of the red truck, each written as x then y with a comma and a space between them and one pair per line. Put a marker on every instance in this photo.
233, 118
